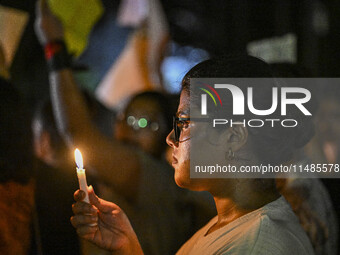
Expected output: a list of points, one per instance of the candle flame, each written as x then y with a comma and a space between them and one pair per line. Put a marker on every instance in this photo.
79, 158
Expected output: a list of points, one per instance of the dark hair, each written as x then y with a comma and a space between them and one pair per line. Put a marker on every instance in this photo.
164, 102
270, 145
290, 70
44, 115
16, 155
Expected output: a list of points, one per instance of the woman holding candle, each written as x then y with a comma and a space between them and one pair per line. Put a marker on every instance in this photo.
252, 217
130, 169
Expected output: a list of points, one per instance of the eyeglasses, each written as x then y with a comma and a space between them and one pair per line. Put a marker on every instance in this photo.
180, 123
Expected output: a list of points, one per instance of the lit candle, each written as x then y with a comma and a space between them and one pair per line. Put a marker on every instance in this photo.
81, 174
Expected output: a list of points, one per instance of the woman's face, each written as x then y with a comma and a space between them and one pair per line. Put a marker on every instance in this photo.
181, 150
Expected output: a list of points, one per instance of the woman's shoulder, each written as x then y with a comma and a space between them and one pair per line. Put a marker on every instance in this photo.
272, 229
279, 231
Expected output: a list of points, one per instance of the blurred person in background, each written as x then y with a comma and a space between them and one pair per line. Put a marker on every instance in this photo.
55, 180
325, 146
129, 169
16, 170
56, 177
309, 197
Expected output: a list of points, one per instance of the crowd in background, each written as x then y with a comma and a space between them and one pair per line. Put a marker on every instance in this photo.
121, 131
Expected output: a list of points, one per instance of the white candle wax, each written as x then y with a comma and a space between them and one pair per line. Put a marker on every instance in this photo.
82, 183
81, 174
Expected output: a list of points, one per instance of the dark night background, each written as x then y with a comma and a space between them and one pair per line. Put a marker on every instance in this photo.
218, 26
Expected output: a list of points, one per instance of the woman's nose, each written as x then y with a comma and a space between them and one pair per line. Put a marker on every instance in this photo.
170, 139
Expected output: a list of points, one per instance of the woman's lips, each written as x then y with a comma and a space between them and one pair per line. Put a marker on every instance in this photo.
174, 160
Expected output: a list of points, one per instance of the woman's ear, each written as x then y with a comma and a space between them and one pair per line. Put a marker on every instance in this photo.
237, 137
231, 138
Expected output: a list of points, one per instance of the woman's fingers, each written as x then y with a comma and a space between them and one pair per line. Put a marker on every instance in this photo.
83, 208
79, 195
81, 219
86, 230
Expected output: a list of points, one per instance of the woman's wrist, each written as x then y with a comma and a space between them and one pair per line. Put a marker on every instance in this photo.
131, 247
57, 56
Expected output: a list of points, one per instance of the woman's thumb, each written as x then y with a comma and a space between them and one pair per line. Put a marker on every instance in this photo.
102, 205
94, 199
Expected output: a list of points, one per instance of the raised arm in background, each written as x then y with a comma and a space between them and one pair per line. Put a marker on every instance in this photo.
114, 162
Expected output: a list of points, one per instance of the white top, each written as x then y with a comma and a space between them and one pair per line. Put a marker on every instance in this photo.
272, 229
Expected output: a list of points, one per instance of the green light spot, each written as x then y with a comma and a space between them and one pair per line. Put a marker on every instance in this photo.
142, 123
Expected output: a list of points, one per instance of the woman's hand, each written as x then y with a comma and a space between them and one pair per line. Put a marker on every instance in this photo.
104, 224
